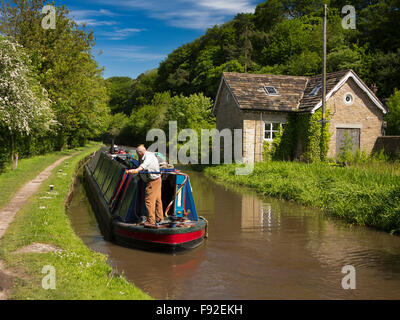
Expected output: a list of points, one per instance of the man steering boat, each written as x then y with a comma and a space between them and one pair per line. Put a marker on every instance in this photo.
149, 162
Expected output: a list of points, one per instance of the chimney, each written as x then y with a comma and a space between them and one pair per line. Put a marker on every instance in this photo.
374, 88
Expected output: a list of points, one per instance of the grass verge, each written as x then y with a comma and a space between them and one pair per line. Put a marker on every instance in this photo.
366, 195
80, 272
12, 180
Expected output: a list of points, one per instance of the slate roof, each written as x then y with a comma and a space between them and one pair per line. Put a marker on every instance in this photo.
294, 92
308, 102
249, 92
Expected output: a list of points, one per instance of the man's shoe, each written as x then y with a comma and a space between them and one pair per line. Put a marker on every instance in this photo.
144, 220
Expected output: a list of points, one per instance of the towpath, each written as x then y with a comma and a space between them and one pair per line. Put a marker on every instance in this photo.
7, 215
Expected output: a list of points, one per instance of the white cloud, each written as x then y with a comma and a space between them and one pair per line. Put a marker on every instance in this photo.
132, 53
79, 14
120, 34
99, 18
232, 6
87, 17
95, 23
191, 14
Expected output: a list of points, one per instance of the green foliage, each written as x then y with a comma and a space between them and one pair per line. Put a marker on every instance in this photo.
301, 138
146, 118
192, 112
12, 180
266, 153
288, 39
119, 89
81, 273
64, 66
273, 150
281, 37
24, 105
268, 14
384, 70
142, 90
381, 157
364, 194
393, 118
284, 37
348, 156
287, 138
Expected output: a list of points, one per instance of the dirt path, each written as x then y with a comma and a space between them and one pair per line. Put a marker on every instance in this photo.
7, 215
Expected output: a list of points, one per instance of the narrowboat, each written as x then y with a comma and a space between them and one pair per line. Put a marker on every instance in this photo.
117, 198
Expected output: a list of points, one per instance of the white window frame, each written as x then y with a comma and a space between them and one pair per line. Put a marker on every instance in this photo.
271, 94
351, 102
271, 129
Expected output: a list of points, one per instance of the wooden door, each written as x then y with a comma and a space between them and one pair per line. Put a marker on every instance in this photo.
351, 137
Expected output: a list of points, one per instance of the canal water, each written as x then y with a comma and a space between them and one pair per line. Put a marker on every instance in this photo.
257, 249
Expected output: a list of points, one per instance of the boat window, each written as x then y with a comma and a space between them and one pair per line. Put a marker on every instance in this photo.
179, 199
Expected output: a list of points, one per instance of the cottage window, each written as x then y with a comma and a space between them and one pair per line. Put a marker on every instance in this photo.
315, 90
271, 129
271, 91
348, 99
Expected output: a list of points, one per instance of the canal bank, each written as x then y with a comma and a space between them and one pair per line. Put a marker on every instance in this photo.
41, 239
365, 195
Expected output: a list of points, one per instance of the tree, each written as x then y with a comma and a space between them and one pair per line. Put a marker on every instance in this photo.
65, 66
148, 117
192, 112
379, 25
393, 118
24, 105
142, 90
118, 89
244, 25
268, 14
384, 70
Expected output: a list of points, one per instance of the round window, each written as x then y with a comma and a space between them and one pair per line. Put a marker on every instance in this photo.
348, 99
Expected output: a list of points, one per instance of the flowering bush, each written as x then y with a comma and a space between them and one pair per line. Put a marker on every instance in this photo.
24, 105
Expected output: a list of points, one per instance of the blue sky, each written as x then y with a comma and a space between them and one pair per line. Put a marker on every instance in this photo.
135, 35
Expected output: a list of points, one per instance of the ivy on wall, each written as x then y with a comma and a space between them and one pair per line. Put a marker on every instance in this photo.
300, 139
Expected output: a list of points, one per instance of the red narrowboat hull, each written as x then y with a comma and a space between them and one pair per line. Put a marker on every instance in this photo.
137, 236
149, 239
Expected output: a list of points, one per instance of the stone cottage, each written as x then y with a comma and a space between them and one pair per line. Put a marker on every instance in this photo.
263, 102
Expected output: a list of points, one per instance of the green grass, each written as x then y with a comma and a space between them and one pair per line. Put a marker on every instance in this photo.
12, 180
367, 194
80, 272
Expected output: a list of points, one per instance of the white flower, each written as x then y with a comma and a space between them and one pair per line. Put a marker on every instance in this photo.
23, 107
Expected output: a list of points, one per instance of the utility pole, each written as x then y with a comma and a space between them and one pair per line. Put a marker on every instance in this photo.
323, 120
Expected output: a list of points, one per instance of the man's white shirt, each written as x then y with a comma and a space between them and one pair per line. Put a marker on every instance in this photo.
149, 162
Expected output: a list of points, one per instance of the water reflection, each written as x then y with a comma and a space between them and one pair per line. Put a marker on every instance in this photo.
257, 249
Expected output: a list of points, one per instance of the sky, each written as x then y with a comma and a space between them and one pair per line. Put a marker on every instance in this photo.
134, 36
